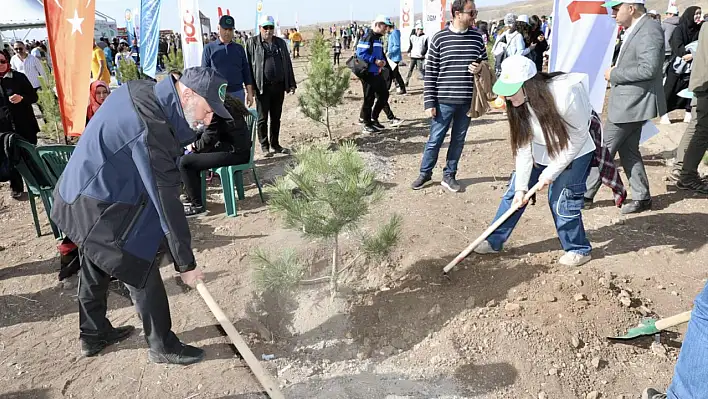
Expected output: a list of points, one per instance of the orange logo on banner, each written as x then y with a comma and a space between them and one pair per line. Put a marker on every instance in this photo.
70, 31
188, 27
406, 17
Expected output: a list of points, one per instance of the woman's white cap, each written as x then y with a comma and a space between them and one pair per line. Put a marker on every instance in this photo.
516, 70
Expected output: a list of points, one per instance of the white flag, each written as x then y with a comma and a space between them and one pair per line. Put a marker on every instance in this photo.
406, 23
585, 44
192, 45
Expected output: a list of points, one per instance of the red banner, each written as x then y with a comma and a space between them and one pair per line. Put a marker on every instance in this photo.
70, 30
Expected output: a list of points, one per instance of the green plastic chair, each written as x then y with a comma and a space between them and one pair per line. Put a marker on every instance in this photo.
39, 180
231, 176
56, 157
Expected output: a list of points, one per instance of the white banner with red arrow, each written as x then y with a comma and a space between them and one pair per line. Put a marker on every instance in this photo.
584, 38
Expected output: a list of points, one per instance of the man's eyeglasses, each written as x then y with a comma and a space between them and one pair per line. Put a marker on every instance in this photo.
472, 13
3, 62
268, 27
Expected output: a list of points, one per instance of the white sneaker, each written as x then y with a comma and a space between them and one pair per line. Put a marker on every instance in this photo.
485, 249
665, 120
687, 118
574, 259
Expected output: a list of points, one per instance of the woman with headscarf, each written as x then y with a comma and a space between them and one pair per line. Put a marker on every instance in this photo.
16, 114
676, 80
97, 95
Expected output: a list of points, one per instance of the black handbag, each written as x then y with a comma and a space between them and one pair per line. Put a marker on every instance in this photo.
358, 66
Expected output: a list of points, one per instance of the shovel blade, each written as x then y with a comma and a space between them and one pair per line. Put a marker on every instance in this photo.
647, 328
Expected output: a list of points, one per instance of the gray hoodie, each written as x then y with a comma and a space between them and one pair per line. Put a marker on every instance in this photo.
669, 25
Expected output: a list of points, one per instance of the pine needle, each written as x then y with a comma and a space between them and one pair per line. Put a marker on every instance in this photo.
281, 273
382, 243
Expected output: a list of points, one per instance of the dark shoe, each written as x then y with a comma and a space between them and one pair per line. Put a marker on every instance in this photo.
191, 210
420, 182
281, 150
16, 195
378, 126
369, 129
696, 185
362, 121
651, 393
93, 346
636, 207
184, 355
266, 152
451, 184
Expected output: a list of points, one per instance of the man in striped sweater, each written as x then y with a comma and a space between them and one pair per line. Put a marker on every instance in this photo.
454, 56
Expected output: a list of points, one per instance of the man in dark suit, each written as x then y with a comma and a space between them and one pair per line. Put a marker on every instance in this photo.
636, 96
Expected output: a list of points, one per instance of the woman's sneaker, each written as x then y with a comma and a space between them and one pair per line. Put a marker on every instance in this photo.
574, 259
485, 248
395, 122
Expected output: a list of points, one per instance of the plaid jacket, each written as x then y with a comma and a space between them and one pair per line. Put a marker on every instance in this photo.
608, 171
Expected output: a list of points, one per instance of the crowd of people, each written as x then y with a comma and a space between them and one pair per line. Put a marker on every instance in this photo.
557, 139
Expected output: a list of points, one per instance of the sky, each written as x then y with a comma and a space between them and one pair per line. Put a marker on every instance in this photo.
309, 11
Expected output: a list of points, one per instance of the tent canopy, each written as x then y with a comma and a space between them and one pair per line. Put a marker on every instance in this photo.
24, 14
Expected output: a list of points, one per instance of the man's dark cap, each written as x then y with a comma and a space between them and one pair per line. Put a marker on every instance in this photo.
227, 22
207, 83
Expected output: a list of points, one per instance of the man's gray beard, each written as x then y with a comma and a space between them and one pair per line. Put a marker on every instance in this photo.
189, 111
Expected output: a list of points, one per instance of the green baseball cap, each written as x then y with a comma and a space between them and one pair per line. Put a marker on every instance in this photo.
615, 3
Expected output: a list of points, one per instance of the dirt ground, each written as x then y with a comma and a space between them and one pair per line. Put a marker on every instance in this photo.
506, 326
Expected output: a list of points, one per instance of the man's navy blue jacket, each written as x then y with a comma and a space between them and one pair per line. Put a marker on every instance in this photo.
118, 198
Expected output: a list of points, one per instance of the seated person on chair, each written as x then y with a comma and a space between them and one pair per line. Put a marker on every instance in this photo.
223, 143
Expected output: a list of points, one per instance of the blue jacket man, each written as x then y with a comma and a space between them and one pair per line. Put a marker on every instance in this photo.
394, 54
394, 44
118, 200
370, 49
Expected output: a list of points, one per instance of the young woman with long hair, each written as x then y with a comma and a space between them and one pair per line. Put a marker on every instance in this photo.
549, 118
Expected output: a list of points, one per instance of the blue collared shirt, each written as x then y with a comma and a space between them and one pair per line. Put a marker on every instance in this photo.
229, 60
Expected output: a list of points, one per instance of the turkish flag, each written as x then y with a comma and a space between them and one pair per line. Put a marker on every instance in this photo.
70, 29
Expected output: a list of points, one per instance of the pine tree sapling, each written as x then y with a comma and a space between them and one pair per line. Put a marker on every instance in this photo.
50, 106
325, 194
175, 61
128, 71
325, 86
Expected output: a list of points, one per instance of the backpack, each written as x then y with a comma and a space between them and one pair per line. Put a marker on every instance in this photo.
359, 67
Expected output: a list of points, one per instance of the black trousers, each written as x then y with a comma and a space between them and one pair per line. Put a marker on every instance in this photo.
17, 185
150, 302
336, 58
395, 74
375, 95
270, 104
191, 166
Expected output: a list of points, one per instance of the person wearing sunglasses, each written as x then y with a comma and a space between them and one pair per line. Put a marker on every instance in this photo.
273, 76
16, 114
27, 64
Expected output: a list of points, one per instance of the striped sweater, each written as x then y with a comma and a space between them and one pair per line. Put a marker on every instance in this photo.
447, 80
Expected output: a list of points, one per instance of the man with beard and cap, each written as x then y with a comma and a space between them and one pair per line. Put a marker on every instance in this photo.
118, 200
